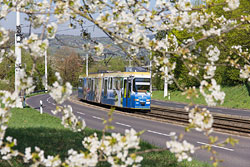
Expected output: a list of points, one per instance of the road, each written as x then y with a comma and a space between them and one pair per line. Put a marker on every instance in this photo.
156, 133
222, 110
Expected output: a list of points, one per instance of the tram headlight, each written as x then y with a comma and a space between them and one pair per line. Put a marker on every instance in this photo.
148, 100
136, 99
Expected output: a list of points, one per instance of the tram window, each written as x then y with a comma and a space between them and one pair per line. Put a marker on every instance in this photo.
105, 87
125, 88
89, 83
96, 83
117, 84
92, 85
103, 83
134, 86
110, 83
129, 89
121, 82
141, 85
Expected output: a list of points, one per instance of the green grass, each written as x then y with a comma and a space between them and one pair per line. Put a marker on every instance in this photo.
32, 129
236, 97
34, 94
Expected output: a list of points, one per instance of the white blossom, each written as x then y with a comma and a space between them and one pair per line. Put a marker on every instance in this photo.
4, 10
215, 96
232, 5
99, 49
201, 119
60, 92
37, 46
245, 72
182, 150
51, 30
69, 120
10, 100
4, 36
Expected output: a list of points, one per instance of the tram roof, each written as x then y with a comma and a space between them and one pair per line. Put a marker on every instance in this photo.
117, 74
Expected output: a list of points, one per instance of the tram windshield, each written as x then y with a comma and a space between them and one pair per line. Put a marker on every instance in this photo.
141, 85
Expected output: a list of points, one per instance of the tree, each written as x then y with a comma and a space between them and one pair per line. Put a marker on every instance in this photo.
225, 74
69, 64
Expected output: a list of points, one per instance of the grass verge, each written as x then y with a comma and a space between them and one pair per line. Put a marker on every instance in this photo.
236, 97
32, 129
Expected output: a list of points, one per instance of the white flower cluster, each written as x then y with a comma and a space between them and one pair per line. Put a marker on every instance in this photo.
38, 20
200, 119
81, 159
115, 148
24, 82
63, 12
4, 36
6, 150
243, 53
182, 150
99, 49
69, 120
212, 56
51, 30
60, 92
232, 5
10, 100
4, 10
168, 43
222, 24
166, 67
4, 119
245, 72
36, 45
39, 159
216, 93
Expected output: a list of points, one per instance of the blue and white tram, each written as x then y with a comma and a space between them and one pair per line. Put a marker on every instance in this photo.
121, 89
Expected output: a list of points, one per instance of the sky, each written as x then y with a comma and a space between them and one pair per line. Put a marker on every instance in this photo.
10, 23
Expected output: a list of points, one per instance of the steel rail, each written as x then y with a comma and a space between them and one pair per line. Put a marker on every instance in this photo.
233, 124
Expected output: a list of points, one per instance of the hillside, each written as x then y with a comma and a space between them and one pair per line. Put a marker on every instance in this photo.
76, 43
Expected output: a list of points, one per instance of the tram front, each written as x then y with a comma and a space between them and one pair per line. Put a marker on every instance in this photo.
141, 93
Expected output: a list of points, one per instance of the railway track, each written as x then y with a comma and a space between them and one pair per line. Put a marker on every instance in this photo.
232, 124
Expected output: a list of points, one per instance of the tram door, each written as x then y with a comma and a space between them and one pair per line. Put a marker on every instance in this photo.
80, 88
105, 90
127, 92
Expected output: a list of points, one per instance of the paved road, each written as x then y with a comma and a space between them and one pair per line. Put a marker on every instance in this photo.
240, 112
155, 132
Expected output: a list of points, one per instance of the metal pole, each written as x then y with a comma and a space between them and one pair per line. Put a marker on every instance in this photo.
87, 64
18, 39
150, 76
165, 82
41, 107
46, 72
